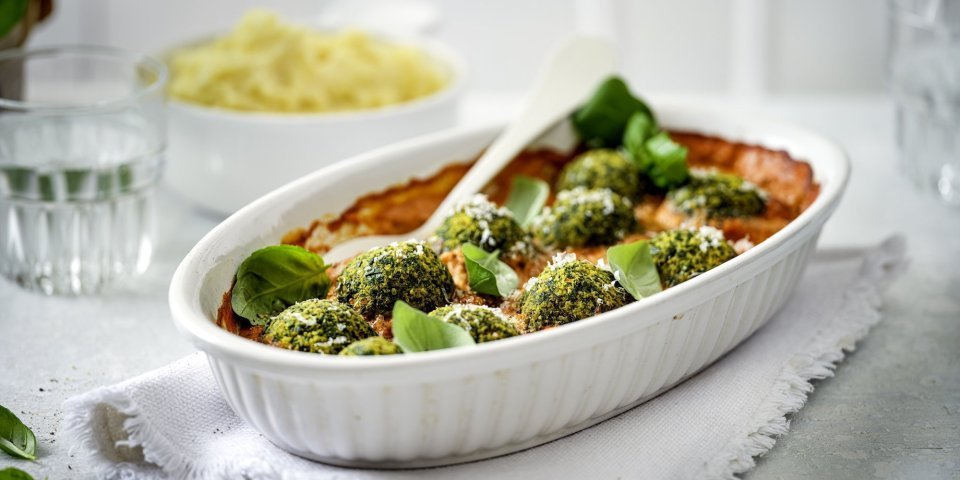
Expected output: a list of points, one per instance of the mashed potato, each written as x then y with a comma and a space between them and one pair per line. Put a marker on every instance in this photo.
266, 65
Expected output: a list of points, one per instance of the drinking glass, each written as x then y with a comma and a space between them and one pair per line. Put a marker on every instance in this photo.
924, 75
82, 136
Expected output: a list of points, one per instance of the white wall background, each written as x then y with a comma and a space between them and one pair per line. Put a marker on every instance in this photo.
740, 47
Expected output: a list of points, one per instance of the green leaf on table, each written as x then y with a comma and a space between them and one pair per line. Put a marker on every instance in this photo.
16, 438
601, 121
415, 331
11, 473
634, 269
527, 197
11, 12
486, 273
275, 277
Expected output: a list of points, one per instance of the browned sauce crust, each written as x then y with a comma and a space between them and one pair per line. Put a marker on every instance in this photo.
233, 323
789, 183
402, 208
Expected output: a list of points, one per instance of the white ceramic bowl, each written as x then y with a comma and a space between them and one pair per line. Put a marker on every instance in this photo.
223, 159
464, 404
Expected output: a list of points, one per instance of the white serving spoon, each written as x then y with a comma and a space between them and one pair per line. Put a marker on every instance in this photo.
563, 84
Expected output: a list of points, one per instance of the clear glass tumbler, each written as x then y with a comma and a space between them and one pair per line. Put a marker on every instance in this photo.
82, 137
924, 76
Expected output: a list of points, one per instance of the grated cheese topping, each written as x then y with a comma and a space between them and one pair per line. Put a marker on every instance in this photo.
710, 237
480, 207
745, 185
338, 340
420, 247
742, 245
582, 195
602, 265
304, 320
561, 258
458, 309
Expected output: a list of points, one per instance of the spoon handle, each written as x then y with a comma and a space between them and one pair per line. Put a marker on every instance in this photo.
574, 70
564, 82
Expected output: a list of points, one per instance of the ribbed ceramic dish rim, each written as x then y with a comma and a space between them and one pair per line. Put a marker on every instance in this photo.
436, 50
190, 319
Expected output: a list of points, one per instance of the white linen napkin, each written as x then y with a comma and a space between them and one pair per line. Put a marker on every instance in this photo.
173, 422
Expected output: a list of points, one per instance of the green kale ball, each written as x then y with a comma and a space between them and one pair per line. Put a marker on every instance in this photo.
569, 290
718, 195
317, 326
410, 271
371, 346
685, 253
484, 324
482, 223
602, 168
582, 217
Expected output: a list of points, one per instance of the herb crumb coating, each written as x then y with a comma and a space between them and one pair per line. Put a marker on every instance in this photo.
482, 223
483, 323
371, 346
602, 168
718, 195
687, 252
317, 326
583, 217
410, 271
569, 290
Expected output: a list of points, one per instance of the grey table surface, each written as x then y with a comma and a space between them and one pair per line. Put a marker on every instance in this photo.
892, 411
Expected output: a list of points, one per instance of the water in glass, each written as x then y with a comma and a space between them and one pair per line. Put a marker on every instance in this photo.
925, 82
77, 179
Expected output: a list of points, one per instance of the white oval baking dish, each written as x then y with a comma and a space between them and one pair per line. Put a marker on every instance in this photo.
465, 404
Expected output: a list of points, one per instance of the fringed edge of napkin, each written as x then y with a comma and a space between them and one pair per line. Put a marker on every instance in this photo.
107, 425
859, 313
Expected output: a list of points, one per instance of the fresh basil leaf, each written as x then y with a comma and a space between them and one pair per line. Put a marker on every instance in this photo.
273, 278
634, 269
668, 161
11, 473
602, 120
11, 12
639, 129
415, 331
486, 273
15, 437
527, 197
